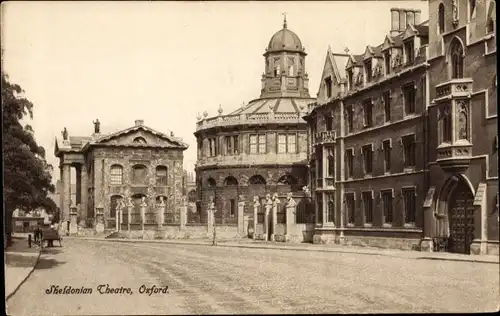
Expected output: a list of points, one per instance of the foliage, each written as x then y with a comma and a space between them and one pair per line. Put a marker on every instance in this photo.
27, 175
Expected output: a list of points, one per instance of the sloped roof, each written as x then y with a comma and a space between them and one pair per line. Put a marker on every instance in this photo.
276, 105
172, 139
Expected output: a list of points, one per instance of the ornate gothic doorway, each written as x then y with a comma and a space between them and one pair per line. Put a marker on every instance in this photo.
461, 218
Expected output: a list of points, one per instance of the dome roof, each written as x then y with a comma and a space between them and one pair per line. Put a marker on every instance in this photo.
285, 39
275, 105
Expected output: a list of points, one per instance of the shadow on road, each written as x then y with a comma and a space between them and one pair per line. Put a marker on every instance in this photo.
44, 263
19, 261
51, 251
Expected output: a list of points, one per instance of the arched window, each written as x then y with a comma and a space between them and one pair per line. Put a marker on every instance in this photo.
115, 199
257, 179
116, 175
139, 174
211, 183
441, 18
287, 180
291, 70
140, 140
491, 17
277, 69
230, 181
161, 175
457, 59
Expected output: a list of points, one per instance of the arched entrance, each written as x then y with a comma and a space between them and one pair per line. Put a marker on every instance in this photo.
457, 206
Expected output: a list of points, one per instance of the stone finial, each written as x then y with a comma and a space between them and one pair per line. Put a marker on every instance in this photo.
205, 114
243, 105
198, 116
172, 134
97, 126
220, 110
271, 106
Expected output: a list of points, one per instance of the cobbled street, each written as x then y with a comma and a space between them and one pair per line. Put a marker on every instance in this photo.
206, 279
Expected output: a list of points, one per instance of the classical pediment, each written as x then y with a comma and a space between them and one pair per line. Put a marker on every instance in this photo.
141, 136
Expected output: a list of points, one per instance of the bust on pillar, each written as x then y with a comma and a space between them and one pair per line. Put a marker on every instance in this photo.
276, 202
118, 218
291, 206
130, 208
144, 205
99, 217
241, 209
183, 215
256, 206
161, 212
210, 214
269, 206
73, 222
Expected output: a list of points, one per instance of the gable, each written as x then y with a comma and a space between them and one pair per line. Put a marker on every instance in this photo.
368, 53
388, 42
140, 136
409, 32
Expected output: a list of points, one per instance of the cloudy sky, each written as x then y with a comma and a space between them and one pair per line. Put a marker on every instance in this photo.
164, 62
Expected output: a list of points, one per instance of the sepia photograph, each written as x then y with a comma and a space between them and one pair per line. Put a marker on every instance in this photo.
250, 157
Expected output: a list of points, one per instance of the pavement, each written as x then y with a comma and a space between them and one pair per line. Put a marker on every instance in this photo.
203, 279
249, 243
20, 261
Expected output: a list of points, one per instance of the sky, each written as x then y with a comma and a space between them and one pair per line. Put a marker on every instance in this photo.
165, 62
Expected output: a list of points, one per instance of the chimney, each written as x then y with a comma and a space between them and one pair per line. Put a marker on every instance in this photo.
139, 122
410, 17
394, 21
402, 20
417, 17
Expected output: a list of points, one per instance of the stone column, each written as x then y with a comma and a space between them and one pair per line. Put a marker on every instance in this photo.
183, 214
427, 244
60, 189
269, 205
161, 213
290, 216
241, 211
73, 225
99, 226
130, 207
84, 193
78, 191
479, 244
210, 216
67, 195
276, 203
144, 205
256, 206
121, 215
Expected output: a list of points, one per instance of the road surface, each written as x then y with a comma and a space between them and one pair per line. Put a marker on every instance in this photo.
224, 280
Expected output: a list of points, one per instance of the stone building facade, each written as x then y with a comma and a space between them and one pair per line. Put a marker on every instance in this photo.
259, 148
130, 167
463, 141
366, 140
398, 157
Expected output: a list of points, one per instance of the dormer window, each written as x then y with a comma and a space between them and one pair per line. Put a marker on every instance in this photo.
328, 87
387, 62
139, 140
368, 70
409, 51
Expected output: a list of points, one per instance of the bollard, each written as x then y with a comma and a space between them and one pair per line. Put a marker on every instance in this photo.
29, 240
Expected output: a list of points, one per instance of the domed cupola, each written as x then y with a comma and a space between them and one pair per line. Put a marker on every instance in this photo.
285, 40
284, 73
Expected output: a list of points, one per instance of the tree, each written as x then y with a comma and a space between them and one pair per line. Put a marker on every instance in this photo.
27, 175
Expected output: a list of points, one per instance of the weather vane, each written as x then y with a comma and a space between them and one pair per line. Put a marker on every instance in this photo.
284, 19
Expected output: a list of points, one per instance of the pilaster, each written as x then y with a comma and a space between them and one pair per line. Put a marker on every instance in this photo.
67, 193
479, 244
241, 208
84, 193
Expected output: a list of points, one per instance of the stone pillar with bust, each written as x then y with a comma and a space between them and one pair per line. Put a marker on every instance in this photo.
291, 207
268, 206
67, 197
274, 218
143, 208
210, 215
73, 223
183, 214
241, 211
256, 206
84, 194
130, 208
99, 219
161, 213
